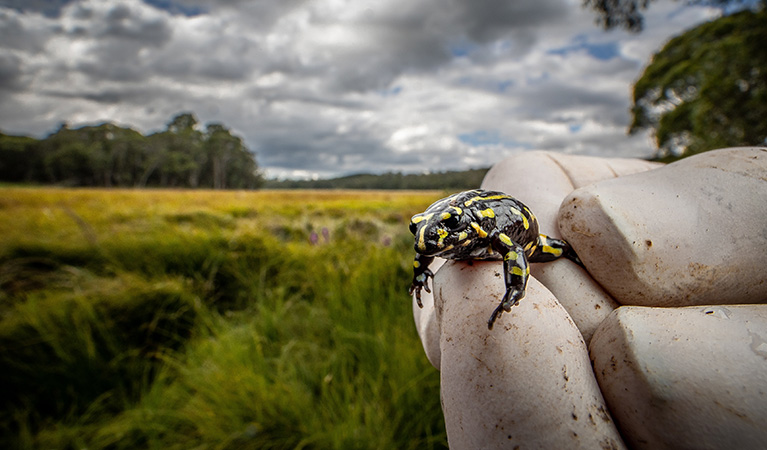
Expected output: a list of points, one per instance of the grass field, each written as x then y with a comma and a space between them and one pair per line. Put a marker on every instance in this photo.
211, 320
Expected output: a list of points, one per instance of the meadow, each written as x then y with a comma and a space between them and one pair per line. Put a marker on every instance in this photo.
165, 319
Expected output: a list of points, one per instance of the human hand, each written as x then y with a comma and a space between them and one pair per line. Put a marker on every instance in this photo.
529, 381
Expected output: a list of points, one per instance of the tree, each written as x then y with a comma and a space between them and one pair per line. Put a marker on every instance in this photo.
175, 156
72, 164
19, 159
707, 88
182, 123
113, 148
101, 155
231, 164
619, 13
628, 14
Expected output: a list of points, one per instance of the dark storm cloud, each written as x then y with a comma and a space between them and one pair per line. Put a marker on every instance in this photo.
135, 95
118, 23
383, 42
10, 72
351, 154
48, 7
303, 97
404, 51
486, 20
218, 58
117, 36
295, 136
114, 62
308, 149
541, 103
262, 6
416, 37
14, 35
122, 23
295, 155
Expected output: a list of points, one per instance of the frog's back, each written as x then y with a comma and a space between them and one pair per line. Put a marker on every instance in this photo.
497, 211
515, 220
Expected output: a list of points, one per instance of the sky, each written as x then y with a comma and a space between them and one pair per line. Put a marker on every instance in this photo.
322, 88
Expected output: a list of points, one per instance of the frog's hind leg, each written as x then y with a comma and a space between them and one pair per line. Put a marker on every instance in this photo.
548, 249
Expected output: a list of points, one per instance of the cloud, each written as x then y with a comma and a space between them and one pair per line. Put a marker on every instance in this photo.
17, 35
337, 86
489, 20
47, 7
10, 72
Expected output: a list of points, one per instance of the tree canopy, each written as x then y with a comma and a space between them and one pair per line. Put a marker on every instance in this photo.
183, 155
629, 14
707, 88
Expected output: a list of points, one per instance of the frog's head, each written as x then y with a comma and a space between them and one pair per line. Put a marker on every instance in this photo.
439, 230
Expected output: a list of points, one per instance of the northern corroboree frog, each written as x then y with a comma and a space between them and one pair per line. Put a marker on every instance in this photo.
480, 224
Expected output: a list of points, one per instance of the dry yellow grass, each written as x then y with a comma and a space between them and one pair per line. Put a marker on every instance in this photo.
82, 216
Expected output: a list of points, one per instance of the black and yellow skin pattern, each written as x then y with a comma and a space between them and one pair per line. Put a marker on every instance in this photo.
482, 224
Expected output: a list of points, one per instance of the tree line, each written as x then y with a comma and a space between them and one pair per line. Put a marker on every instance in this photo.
106, 155
450, 180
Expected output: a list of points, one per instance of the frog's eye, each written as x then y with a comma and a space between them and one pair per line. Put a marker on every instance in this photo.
413, 227
451, 220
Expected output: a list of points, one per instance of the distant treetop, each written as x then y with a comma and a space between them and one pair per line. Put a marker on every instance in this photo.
628, 14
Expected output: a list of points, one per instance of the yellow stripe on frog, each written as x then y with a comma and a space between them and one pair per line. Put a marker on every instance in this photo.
478, 198
517, 212
418, 218
487, 213
552, 250
482, 233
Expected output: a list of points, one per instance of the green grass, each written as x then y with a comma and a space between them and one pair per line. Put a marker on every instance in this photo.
211, 320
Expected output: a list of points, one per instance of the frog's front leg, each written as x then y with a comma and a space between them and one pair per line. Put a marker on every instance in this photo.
515, 274
421, 274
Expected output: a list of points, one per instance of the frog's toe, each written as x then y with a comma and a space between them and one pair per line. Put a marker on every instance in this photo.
416, 288
507, 307
496, 313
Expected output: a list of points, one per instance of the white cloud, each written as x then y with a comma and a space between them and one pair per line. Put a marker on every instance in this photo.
323, 87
